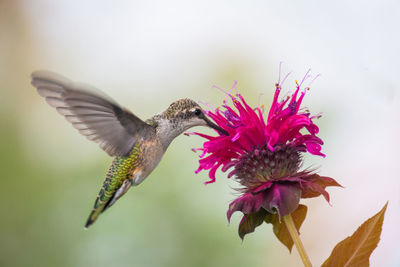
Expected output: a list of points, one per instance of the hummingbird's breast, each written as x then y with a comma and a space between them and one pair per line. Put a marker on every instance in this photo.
150, 154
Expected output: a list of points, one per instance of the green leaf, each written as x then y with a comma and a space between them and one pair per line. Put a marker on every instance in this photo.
355, 250
280, 229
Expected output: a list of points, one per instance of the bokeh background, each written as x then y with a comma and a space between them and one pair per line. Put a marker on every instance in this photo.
146, 54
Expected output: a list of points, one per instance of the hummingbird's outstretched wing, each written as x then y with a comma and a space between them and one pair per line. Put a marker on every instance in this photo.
93, 113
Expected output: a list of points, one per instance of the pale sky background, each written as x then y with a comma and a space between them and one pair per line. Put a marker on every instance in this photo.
146, 54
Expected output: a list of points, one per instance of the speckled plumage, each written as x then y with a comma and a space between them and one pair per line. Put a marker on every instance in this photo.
121, 168
180, 109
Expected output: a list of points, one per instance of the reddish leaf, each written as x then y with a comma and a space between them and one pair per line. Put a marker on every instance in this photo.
251, 221
318, 185
280, 229
247, 203
282, 198
355, 250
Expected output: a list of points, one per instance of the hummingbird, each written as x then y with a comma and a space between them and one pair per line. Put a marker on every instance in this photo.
137, 146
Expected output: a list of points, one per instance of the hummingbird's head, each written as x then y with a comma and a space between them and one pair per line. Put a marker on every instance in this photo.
186, 113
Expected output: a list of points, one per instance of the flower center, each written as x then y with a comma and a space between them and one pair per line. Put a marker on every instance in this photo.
261, 164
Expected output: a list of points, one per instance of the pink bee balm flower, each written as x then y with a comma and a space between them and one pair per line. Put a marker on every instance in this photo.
263, 153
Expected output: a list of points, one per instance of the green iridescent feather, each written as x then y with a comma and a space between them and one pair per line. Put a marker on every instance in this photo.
119, 171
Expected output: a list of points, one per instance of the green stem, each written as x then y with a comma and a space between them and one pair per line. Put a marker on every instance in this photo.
296, 239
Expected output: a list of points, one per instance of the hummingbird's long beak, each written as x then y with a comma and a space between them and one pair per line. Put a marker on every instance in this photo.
214, 126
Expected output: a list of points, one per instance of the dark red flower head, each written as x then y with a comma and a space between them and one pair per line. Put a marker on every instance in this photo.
264, 154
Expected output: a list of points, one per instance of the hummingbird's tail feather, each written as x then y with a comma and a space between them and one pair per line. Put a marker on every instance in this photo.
92, 217
100, 208
115, 185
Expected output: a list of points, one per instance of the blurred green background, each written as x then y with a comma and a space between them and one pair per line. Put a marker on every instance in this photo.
146, 54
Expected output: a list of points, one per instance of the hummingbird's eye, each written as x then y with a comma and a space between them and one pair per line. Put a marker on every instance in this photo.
197, 112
